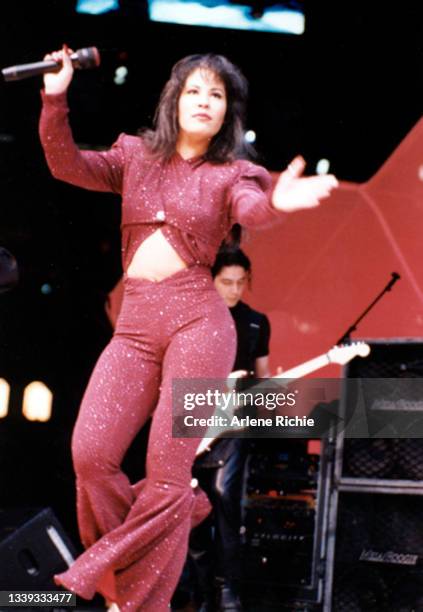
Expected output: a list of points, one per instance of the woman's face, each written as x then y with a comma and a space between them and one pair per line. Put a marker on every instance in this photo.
202, 105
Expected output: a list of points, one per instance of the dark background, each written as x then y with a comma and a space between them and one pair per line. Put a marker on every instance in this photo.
349, 89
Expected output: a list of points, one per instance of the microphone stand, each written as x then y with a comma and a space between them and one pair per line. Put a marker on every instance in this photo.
353, 327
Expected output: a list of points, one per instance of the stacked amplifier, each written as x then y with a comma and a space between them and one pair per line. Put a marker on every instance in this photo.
375, 544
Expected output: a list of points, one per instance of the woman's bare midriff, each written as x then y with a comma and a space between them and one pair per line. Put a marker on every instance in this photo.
155, 259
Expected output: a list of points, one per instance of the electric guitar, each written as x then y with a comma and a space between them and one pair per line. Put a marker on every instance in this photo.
338, 354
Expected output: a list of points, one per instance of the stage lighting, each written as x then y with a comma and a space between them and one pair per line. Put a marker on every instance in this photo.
120, 75
37, 402
322, 166
46, 288
96, 7
249, 15
250, 136
4, 397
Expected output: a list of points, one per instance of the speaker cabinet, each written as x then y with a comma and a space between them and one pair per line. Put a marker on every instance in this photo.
375, 528
379, 553
33, 547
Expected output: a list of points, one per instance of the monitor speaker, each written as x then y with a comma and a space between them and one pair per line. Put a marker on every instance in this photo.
33, 547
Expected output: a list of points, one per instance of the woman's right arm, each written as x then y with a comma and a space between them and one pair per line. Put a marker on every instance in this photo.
99, 171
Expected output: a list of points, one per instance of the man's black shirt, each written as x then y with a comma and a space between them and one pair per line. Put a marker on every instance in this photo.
253, 335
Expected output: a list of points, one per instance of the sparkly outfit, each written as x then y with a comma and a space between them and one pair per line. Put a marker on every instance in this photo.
137, 536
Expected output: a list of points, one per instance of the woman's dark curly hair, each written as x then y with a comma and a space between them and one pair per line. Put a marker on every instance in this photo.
229, 143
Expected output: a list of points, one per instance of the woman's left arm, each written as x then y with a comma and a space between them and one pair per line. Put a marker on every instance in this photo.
255, 203
296, 192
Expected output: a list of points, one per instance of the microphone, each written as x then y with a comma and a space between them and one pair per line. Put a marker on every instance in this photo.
89, 57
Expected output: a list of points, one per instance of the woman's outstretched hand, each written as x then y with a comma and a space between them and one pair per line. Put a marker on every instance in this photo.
58, 82
296, 192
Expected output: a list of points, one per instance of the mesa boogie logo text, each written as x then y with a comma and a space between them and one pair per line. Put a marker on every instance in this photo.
388, 557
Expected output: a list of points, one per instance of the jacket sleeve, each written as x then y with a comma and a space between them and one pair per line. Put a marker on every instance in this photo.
96, 170
250, 197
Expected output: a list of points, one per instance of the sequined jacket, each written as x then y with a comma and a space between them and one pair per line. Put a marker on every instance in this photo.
199, 198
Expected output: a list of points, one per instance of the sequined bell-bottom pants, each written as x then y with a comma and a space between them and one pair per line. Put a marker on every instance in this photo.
136, 536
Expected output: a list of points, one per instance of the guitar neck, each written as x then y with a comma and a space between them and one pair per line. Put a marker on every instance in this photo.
298, 372
306, 368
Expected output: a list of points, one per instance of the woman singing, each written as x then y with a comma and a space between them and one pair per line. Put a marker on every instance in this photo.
183, 185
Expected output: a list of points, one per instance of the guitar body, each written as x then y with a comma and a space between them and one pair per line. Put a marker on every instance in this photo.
338, 354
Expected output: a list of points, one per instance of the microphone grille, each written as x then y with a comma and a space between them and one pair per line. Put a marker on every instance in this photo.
88, 57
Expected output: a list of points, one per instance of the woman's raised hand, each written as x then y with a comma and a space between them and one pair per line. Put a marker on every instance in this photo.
295, 192
58, 82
